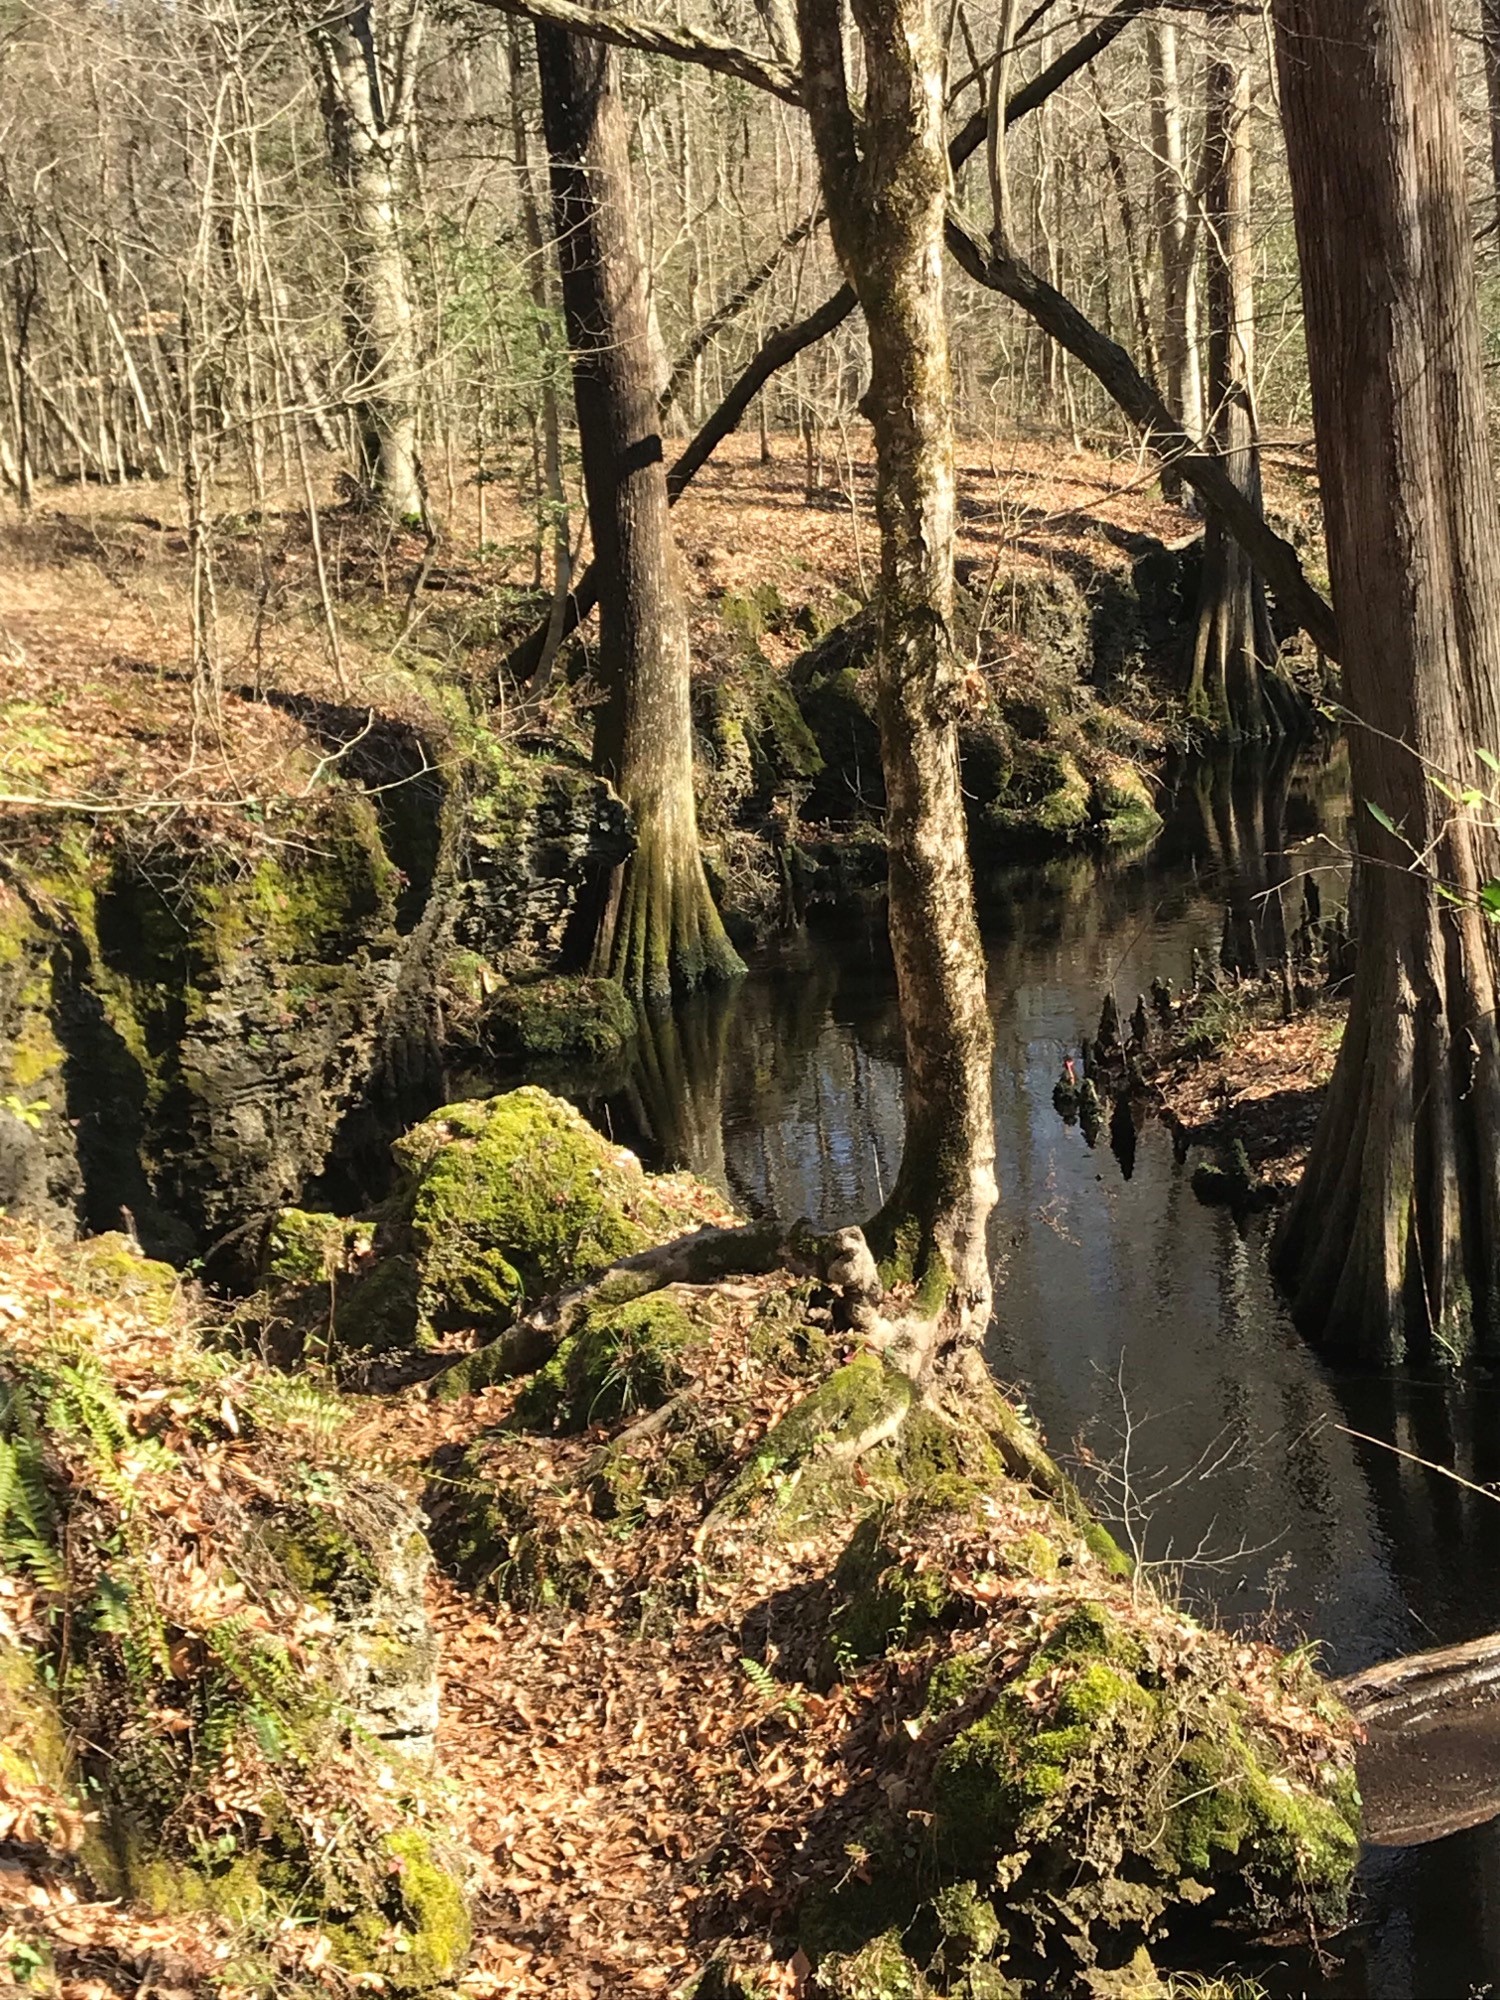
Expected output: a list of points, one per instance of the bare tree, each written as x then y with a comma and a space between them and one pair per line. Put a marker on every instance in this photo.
1233, 687
885, 183
369, 73
1176, 236
659, 930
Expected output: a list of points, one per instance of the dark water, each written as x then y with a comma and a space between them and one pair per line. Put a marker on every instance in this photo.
1140, 1327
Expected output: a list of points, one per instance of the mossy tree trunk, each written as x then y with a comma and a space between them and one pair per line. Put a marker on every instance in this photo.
659, 931
367, 109
1393, 1240
1234, 688
886, 188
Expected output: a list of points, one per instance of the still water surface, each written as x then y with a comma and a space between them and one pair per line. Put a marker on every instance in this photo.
1124, 1306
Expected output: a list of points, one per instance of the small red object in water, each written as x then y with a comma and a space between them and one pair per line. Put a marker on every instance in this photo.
1068, 1069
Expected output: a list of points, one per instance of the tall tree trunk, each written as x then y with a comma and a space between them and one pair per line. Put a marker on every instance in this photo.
555, 493
1393, 1240
1489, 30
659, 931
1176, 241
886, 191
1233, 688
368, 135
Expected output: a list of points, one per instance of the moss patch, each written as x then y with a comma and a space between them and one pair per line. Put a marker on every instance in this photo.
514, 1197
618, 1359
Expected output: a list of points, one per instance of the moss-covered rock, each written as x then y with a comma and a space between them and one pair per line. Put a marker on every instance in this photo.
308, 1247
801, 1464
551, 1019
251, 1668
1122, 805
511, 1198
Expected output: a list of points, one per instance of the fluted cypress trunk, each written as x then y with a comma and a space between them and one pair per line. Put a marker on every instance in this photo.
1392, 1244
886, 189
367, 110
659, 931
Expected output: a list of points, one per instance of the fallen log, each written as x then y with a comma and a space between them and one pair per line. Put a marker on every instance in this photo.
1430, 1762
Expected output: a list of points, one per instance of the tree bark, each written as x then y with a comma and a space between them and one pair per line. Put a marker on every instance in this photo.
1233, 689
658, 930
368, 135
1489, 30
1182, 380
886, 190
555, 495
1392, 1243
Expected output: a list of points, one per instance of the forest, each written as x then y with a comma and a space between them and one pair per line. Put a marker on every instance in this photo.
749, 942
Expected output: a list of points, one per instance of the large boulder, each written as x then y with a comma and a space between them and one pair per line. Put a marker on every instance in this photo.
503, 1201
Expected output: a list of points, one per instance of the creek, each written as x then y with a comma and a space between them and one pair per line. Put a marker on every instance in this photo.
1140, 1328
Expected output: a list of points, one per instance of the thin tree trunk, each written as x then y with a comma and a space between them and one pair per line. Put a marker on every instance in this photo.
1232, 687
1393, 1240
1489, 29
368, 138
1176, 241
555, 501
659, 931
886, 193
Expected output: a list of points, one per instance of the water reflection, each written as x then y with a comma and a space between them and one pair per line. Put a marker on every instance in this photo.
1122, 1304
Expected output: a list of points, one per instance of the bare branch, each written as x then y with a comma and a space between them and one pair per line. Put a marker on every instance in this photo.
1112, 367
631, 31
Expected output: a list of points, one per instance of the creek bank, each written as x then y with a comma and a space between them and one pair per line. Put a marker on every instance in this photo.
1061, 729
197, 1022
218, 1673
820, 1664
757, 1664
210, 1013
1236, 1066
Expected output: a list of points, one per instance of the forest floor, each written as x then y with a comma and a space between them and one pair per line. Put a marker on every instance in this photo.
98, 704
640, 1784
1234, 1069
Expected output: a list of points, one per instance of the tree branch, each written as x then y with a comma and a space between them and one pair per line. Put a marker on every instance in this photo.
630, 31
1002, 271
783, 346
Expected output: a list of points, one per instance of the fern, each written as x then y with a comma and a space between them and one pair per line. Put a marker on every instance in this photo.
28, 1513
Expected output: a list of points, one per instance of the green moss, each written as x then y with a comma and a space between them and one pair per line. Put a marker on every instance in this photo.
306, 1247
1032, 1554
969, 1927
557, 1018
322, 1560
859, 1404
750, 614
956, 1680
880, 1970
886, 1600
380, 1313
1090, 1632
113, 1267
36, 1054
33, 1742
305, 904
435, 1918
1122, 804
514, 1198
933, 1448
617, 1359
1225, 1805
